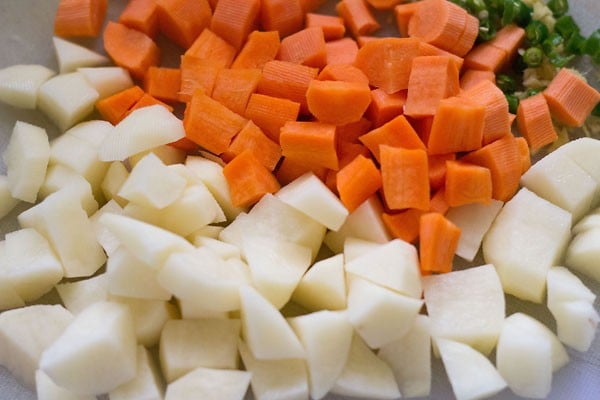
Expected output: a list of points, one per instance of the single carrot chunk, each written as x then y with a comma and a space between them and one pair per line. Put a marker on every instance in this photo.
248, 179
384, 107
79, 17
358, 181
471, 77
343, 72
141, 15
147, 100
525, 154
287, 80
260, 47
403, 13
338, 102
313, 143
403, 225
163, 83
210, 47
570, 98
341, 51
457, 126
197, 74
397, 133
510, 38
333, 27
130, 49
271, 113
535, 122
252, 138
307, 47
210, 124
233, 87
484, 56
290, 169
467, 184
284, 16
438, 202
405, 178
358, 17
438, 240
114, 108
467, 38
233, 20
183, 20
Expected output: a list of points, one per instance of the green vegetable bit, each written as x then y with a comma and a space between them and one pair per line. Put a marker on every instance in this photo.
536, 32
558, 7
553, 43
506, 83
513, 103
592, 43
533, 91
515, 11
566, 26
533, 57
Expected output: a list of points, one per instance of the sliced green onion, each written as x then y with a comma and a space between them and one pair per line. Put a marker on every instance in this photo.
506, 83
532, 91
560, 60
553, 43
558, 7
575, 44
513, 103
536, 32
566, 26
533, 57
592, 43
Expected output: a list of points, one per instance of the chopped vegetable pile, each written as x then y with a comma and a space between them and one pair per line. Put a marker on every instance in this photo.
301, 203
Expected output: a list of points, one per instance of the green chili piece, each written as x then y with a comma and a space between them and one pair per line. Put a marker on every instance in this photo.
476, 6
536, 32
575, 44
513, 103
566, 26
533, 57
560, 60
558, 7
592, 43
552, 43
506, 83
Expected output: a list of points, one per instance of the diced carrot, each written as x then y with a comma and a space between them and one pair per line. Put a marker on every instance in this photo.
252, 138
503, 158
233, 20
141, 15
147, 100
397, 133
403, 225
343, 72
163, 83
438, 240
341, 51
260, 47
291, 168
437, 169
130, 49
185, 144
307, 46
467, 38
432, 78
422, 126
384, 4
113, 108
210, 47
357, 16
486, 57
248, 179
387, 62
403, 13
79, 17
438, 22
570, 98
332, 26
405, 178
338, 102
210, 124
358, 181
472, 77
271, 113
535, 122
364, 39
525, 153
233, 87
438, 202
426, 49
457, 126
352, 131
510, 38
497, 123
313, 143
183, 20
467, 184
309, 6
197, 74
384, 107
287, 80
284, 16
347, 152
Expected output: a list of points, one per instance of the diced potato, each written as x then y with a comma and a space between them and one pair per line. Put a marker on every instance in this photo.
19, 84
71, 56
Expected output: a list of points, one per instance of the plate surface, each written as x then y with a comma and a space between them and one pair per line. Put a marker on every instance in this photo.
26, 38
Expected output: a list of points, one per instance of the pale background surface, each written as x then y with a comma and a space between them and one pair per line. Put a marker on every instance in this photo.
25, 38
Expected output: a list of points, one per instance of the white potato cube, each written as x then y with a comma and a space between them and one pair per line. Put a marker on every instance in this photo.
591, 220
46, 389
107, 80
576, 323
365, 375
224, 250
276, 266
394, 265
265, 330
473, 220
107, 240
96, 353
189, 344
410, 359
24, 335
583, 252
61, 220
528, 236
26, 158
466, 306
71, 56
471, 374
363, 223
147, 384
200, 276
115, 177
560, 180
323, 286
209, 383
564, 286
29, 264
67, 99
7, 202
19, 84
190, 309
379, 315
78, 295
143, 129
9, 298
310, 195
60, 177
94, 132
354, 248
584, 152
275, 379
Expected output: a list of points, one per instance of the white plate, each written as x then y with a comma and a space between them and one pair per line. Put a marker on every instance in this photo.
25, 38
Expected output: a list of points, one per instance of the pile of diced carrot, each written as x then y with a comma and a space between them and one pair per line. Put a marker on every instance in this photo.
276, 90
